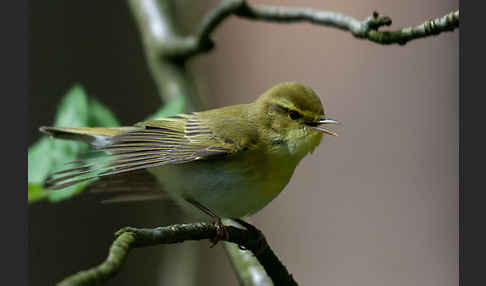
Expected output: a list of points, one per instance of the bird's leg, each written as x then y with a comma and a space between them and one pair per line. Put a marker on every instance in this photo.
221, 232
261, 241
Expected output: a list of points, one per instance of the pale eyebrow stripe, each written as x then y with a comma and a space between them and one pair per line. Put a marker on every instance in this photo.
288, 107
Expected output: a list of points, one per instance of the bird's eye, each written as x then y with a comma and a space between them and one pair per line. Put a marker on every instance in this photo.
294, 115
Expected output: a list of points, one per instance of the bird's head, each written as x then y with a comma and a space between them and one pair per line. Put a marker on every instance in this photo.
293, 116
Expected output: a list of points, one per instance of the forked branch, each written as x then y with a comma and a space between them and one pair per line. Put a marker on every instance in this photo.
128, 238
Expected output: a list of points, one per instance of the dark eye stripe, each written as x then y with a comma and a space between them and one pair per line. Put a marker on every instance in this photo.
294, 115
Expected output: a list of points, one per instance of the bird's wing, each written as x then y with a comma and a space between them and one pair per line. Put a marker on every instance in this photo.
178, 139
138, 185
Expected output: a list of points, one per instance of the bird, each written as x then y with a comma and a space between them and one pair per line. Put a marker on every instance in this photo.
227, 162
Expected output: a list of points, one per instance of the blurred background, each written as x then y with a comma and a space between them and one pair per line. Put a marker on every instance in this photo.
377, 205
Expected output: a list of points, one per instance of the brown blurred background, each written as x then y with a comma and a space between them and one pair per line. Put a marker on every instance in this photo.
377, 205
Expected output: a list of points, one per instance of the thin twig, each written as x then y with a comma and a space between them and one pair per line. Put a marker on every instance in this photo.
366, 29
118, 253
128, 238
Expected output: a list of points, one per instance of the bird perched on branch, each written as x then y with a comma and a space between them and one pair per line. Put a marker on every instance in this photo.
226, 162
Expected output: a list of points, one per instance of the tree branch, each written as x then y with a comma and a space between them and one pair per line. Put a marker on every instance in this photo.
128, 238
160, 39
246, 266
366, 29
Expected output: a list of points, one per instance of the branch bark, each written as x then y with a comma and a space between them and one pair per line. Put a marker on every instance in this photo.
366, 29
128, 238
245, 265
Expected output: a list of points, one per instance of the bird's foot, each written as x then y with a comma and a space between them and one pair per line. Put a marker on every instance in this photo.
221, 232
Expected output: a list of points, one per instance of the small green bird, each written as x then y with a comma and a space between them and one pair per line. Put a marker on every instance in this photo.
227, 162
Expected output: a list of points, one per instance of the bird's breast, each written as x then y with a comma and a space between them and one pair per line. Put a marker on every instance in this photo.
231, 187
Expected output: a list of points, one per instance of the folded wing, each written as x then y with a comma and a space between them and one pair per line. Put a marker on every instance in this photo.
174, 140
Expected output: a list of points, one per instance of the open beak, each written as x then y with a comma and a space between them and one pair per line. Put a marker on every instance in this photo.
319, 125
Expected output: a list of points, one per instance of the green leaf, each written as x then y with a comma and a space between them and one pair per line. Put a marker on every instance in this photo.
48, 155
172, 108
100, 115
36, 193
66, 193
73, 110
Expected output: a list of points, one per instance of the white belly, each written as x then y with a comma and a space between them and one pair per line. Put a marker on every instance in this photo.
229, 188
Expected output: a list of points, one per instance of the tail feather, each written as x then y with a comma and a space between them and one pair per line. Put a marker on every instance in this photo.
133, 186
97, 136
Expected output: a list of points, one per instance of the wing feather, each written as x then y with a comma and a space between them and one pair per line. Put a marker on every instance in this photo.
174, 140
